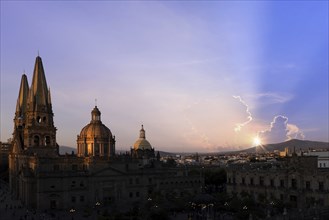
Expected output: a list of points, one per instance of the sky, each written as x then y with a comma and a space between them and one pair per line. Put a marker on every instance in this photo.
200, 76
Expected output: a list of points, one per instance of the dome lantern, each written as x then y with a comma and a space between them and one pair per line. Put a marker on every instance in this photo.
95, 115
142, 133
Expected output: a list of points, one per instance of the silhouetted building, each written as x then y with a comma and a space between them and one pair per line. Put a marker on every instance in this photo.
43, 179
295, 181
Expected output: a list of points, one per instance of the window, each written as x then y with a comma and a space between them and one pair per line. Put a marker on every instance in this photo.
293, 198
56, 167
137, 194
130, 194
233, 180
251, 181
73, 184
308, 185
53, 204
281, 183
47, 140
82, 184
82, 198
150, 180
321, 186
281, 197
73, 199
36, 140
74, 167
130, 181
294, 183
243, 181
261, 180
137, 180
272, 182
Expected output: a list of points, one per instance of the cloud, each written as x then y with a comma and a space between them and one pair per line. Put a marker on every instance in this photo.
269, 98
240, 125
280, 130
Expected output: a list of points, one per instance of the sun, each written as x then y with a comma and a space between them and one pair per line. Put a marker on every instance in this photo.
257, 141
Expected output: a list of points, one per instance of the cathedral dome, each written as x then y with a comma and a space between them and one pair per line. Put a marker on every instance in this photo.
95, 129
95, 138
142, 143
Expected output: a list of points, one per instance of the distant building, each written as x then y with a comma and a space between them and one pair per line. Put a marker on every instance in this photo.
294, 180
42, 179
323, 157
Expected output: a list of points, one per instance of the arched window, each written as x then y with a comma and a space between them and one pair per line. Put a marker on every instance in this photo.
36, 140
47, 140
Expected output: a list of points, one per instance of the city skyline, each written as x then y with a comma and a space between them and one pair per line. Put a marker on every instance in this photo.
200, 76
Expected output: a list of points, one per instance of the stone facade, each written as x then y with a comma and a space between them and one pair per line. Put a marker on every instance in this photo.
295, 180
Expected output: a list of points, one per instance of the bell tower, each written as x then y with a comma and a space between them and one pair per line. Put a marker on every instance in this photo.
34, 114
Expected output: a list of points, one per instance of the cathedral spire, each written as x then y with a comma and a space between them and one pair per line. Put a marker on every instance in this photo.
49, 98
34, 118
39, 88
22, 97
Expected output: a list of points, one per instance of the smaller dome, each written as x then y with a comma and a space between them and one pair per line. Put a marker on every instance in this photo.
142, 143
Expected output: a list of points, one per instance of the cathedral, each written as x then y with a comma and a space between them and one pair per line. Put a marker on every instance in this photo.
43, 179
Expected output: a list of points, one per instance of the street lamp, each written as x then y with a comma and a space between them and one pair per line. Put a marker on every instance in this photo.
97, 206
72, 210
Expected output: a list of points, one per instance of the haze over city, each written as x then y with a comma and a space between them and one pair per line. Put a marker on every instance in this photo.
200, 76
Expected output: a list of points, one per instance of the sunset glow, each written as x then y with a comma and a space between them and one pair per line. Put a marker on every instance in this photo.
202, 76
257, 141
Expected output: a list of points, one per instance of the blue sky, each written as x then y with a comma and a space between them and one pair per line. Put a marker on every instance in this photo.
200, 76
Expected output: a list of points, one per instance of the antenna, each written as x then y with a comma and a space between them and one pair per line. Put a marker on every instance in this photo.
96, 102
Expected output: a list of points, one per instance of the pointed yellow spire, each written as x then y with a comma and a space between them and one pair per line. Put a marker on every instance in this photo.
39, 84
22, 96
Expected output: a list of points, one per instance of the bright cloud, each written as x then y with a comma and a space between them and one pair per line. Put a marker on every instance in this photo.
280, 130
249, 117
